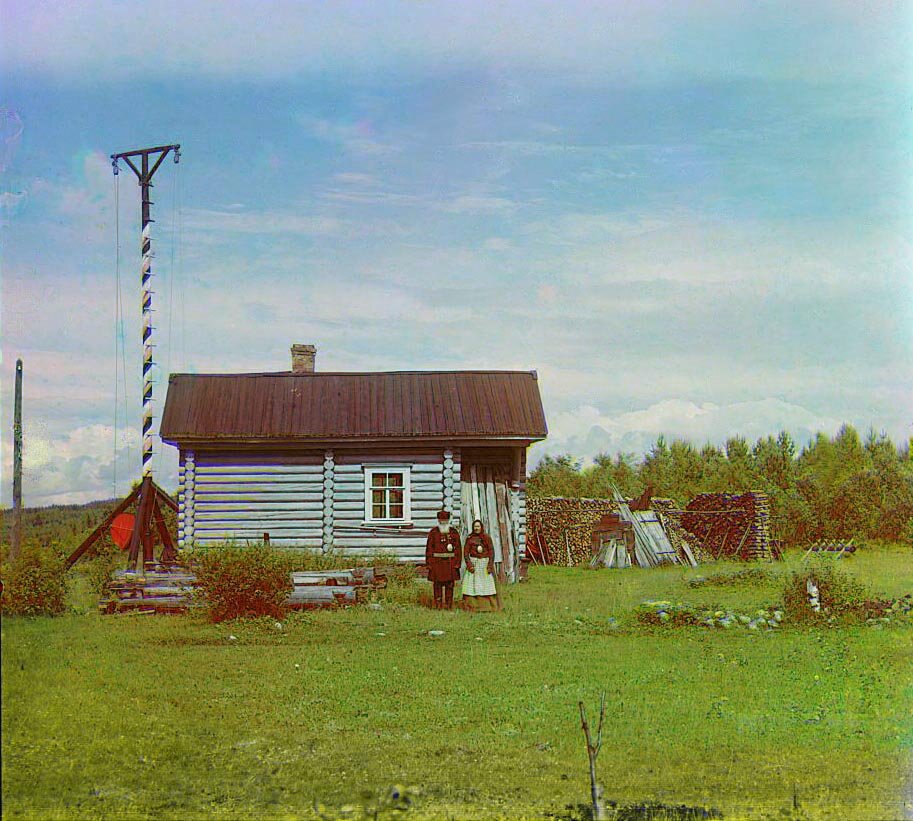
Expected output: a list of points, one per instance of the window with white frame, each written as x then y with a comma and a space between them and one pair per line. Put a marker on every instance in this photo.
387, 494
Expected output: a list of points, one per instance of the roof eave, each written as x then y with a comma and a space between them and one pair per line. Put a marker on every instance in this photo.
186, 441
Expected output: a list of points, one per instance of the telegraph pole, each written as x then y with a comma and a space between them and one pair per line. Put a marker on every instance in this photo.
147, 162
16, 541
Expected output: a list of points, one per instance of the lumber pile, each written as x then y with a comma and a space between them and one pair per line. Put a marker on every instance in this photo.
651, 545
171, 590
485, 493
315, 589
160, 590
683, 541
560, 531
729, 525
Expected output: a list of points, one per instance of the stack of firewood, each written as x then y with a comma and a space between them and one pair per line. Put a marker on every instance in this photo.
728, 525
335, 588
171, 590
163, 590
562, 528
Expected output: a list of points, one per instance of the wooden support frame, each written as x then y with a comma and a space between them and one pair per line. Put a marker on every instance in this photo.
148, 498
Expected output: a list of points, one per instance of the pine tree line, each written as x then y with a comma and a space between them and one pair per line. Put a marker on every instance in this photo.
835, 487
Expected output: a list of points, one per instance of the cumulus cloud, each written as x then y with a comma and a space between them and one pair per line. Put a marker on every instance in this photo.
78, 465
261, 223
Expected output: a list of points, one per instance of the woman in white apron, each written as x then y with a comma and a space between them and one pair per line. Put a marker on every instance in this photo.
479, 580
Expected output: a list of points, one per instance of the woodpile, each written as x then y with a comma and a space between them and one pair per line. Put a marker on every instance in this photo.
561, 528
560, 531
171, 590
315, 589
728, 525
159, 590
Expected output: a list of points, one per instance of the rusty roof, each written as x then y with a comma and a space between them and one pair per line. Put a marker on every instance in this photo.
292, 406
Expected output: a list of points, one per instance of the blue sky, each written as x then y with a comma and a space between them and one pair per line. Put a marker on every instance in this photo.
691, 219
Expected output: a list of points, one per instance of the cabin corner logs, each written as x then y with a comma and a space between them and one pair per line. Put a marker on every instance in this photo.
319, 500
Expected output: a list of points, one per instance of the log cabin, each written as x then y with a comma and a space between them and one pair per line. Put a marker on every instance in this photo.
352, 462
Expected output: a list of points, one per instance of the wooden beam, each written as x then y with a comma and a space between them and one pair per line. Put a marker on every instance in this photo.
96, 534
143, 522
165, 497
164, 534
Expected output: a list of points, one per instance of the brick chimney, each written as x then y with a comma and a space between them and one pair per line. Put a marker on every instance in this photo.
303, 358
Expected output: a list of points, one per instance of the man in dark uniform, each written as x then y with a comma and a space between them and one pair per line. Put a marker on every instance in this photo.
443, 554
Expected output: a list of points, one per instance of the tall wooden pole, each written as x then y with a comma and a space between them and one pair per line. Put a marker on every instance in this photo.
16, 541
144, 174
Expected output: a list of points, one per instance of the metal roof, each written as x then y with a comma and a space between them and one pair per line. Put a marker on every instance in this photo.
291, 406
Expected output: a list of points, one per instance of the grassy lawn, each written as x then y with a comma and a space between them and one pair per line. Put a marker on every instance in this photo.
166, 717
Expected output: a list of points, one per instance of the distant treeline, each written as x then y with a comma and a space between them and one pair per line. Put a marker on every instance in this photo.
62, 527
835, 487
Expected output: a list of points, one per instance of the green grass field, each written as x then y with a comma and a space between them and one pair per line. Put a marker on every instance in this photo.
166, 717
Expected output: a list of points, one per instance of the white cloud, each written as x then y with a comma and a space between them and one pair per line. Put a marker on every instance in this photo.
372, 196
589, 40
356, 178
10, 203
359, 138
78, 466
261, 223
479, 205
85, 199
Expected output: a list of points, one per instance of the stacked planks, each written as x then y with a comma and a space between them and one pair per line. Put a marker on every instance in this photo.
683, 542
729, 525
485, 494
651, 544
314, 589
159, 590
171, 590
561, 530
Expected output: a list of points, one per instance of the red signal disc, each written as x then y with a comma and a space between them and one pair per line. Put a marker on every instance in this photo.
122, 529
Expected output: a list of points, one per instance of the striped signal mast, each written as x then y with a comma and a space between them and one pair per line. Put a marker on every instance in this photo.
149, 160
148, 497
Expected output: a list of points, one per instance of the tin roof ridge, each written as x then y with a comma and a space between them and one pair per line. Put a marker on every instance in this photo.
310, 374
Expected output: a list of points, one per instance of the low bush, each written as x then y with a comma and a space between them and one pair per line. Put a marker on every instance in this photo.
840, 596
35, 584
244, 582
100, 568
749, 577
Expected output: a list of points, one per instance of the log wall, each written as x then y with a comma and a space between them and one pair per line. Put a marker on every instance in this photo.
317, 500
239, 497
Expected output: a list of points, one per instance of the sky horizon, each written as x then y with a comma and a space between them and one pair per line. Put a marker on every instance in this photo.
692, 220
